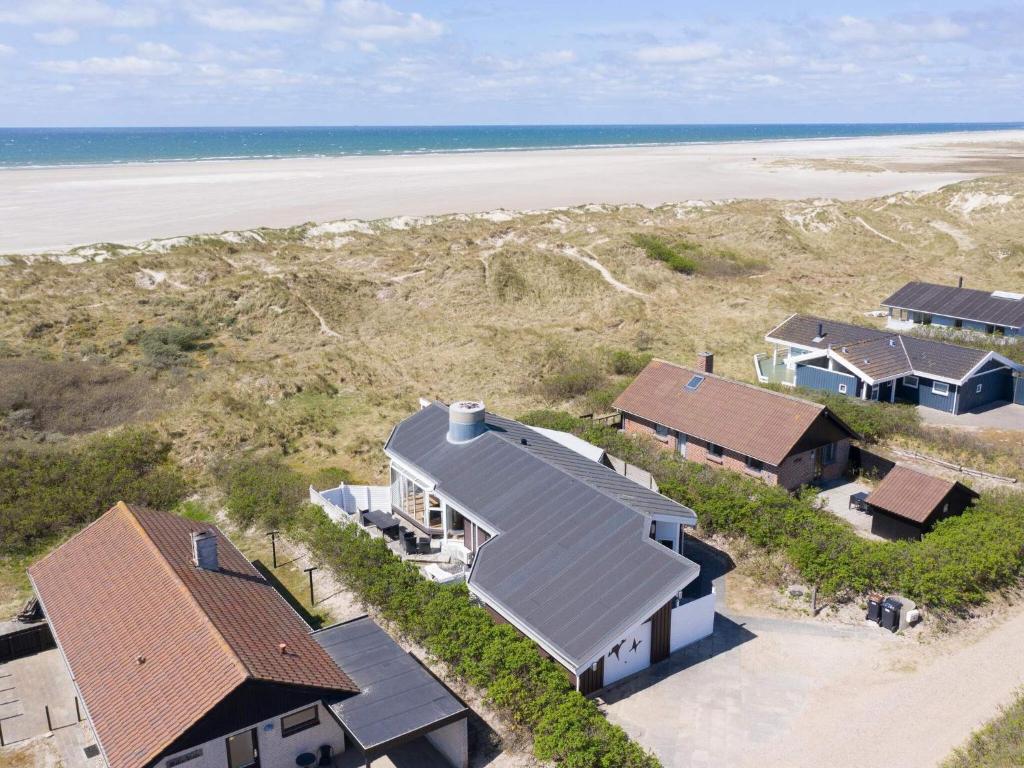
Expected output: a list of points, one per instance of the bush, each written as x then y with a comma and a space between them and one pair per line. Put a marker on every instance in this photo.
46, 493
534, 692
573, 376
658, 249
999, 743
166, 346
262, 490
626, 363
954, 566
873, 421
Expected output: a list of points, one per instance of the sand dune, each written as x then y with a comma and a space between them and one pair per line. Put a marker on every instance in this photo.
55, 208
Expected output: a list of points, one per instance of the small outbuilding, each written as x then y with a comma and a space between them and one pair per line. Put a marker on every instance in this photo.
906, 504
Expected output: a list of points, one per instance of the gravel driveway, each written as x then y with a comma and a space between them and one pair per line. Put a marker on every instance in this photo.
765, 692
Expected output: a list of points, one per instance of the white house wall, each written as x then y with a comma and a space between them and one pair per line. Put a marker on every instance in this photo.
273, 749
628, 655
692, 621
452, 741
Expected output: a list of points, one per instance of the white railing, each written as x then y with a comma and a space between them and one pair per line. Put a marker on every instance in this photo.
343, 503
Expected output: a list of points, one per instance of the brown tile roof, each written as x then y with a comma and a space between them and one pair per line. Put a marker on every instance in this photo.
125, 589
910, 494
750, 420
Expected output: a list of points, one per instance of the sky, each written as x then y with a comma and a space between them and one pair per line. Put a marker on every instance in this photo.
377, 62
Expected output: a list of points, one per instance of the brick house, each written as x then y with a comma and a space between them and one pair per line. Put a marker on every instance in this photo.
779, 439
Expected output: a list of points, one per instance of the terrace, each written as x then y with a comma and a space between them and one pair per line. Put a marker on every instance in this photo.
770, 369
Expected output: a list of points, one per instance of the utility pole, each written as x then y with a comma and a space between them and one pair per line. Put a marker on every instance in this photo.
273, 544
310, 570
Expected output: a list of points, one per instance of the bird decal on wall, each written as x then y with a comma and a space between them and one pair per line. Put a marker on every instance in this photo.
636, 644
616, 647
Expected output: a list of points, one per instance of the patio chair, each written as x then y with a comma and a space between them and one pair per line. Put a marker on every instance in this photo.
326, 753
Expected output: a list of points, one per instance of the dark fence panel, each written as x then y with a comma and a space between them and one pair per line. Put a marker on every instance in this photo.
25, 642
869, 463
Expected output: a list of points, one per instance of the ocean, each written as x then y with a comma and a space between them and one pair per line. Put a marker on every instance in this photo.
20, 147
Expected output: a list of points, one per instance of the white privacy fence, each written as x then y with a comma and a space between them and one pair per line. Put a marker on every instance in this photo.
692, 621
343, 503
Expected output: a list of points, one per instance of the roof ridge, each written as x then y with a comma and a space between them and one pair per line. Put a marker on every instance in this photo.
746, 384
165, 564
576, 477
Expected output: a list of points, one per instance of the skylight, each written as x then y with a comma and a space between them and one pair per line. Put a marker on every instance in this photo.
694, 382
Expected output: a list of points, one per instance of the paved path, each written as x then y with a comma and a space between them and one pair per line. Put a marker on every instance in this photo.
1007, 416
766, 692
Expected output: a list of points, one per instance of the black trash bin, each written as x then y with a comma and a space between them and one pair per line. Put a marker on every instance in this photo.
891, 614
874, 609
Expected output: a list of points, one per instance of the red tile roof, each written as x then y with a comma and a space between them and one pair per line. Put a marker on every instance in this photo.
154, 642
750, 420
912, 495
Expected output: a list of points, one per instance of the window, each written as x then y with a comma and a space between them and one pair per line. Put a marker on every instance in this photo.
754, 465
874, 391
911, 381
694, 382
300, 721
828, 453
715, 451
661, 430
681, 444
977, 389
843, 389
940, 388
183, 758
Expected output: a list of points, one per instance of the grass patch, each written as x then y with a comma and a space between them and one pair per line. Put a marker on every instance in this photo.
70, 397
997, 744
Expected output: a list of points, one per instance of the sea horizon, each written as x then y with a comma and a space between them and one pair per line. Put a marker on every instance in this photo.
90, 146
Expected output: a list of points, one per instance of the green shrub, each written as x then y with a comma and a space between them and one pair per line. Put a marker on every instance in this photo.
166, 346
998, 743
573, 376
534, 692
262, 490
626, 363
658, 249
48, 492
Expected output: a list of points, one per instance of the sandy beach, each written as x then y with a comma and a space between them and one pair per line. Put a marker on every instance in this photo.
47, 209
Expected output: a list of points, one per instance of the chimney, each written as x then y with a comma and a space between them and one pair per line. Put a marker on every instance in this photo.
706, 362
466, 421
821, 330
204, 550
960, 282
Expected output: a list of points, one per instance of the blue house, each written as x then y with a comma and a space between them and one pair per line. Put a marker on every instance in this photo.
881, 365
993, 312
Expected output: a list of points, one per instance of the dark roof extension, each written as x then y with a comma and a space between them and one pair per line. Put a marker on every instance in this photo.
879, 354
571, 532
755, 422
154, 643
913, 495
962, 303
399, 699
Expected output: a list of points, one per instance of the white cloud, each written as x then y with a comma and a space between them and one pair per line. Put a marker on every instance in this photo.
6, 50
770, 81
373, 21
241, 19
678, 54
59, 36
553, 58
66, 12
118, 65
150, 50
851, 29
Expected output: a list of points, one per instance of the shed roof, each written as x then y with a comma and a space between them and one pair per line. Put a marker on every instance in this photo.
750, 420
963, 303
154, 642
399, 698
912, 495
572, 532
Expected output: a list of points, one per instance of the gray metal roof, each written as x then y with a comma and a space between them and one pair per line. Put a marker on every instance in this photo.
573, 563
399, 698
962, 303
880, 354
